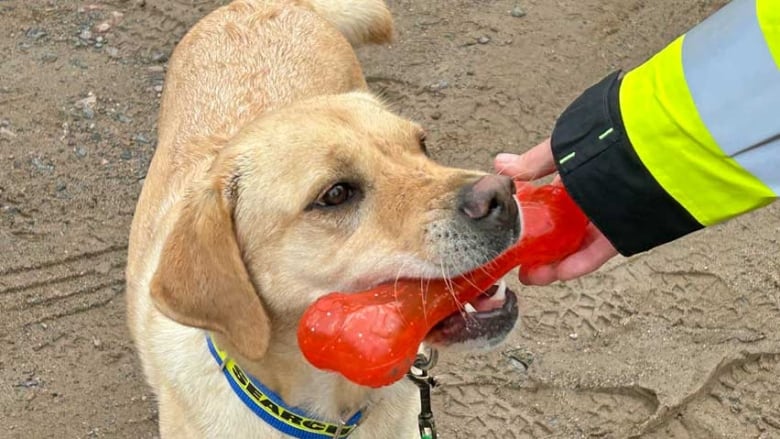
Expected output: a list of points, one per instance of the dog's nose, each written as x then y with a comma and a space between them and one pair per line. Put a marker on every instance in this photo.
490, 202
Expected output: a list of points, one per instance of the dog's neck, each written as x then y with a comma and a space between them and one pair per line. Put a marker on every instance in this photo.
284, 370
272, 409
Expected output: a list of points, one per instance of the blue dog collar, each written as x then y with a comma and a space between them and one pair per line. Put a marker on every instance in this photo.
269, 407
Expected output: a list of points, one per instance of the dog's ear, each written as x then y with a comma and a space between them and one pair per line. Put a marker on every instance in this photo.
201, 279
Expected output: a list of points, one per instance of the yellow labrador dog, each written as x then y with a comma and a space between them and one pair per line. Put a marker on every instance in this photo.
278, 179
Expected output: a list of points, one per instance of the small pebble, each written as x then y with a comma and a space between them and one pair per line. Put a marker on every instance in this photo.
35, 33
8, 134
81, 151
88, 101
483, 39
517, 12
126, 154
441, 85
87, 106
436, 115
121, 117
159, 57
102, 27
42, 165
573, 336
48, 57
97, 342
30, 382
85, 34
78, 63
89, 7
11, 211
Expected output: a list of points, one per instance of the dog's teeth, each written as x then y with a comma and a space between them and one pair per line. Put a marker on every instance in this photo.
501, 292
469, 308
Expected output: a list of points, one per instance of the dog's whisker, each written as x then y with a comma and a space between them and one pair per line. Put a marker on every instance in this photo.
424, 291
397, 278
448, 280
451, 289
485, 268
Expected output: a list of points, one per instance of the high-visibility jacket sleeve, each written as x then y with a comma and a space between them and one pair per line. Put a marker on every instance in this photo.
688, 139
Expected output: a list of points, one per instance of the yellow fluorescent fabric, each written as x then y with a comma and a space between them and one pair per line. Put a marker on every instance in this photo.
769, 21
673, 143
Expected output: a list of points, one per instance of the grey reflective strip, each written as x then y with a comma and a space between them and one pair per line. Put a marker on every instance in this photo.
764, 163
735, 84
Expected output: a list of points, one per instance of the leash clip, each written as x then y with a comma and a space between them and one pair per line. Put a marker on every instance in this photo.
425, 362
339, 429
344, 425
419, 376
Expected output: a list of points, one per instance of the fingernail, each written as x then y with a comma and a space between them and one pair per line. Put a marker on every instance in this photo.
504, 157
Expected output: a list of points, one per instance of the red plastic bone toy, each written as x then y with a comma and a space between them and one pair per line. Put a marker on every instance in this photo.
372, 337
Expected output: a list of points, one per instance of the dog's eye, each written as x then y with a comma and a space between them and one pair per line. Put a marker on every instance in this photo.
335, 195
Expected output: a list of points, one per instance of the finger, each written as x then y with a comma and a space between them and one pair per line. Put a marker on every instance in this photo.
535, 163
541, 275
547, 274
594, 253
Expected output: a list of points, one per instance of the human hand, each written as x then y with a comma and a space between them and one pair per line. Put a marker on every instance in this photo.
596, 248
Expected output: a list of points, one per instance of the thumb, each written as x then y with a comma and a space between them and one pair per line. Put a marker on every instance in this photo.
535, 163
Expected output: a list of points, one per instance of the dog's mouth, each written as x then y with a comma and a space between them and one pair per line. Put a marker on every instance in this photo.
484, 321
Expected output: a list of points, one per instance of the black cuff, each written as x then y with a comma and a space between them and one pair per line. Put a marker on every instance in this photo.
604, 175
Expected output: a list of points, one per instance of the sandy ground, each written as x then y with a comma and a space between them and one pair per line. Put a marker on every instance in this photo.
681, 342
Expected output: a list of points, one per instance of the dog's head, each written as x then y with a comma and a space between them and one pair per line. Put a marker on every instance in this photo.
331, 194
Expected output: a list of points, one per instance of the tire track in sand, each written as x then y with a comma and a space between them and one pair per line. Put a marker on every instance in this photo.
61, 287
